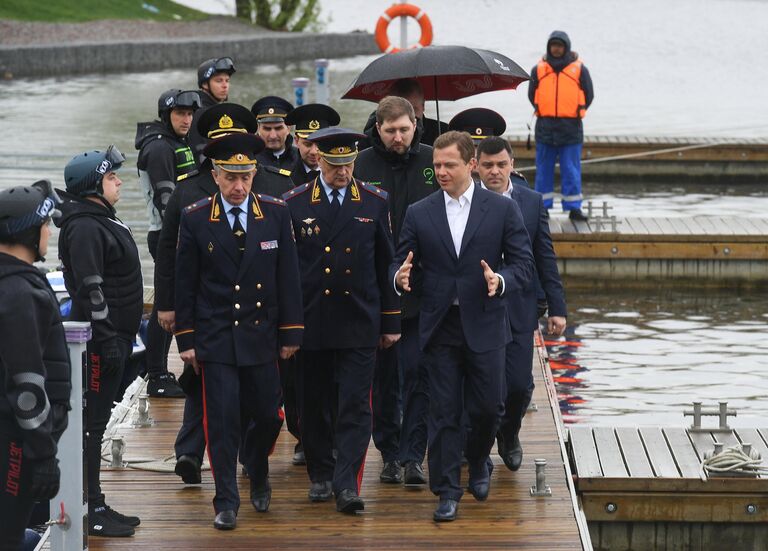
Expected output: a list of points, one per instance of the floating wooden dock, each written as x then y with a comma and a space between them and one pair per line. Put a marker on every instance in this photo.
175, 516
702, 247
641, 158
641, 488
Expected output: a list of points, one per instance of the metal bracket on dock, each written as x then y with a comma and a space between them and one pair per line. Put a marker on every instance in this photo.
142, 418
532, 407
598, 221
118, 448
698, 412
541, 489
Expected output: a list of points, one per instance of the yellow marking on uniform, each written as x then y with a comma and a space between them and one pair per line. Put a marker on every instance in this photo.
291, 327
184, 332
391, 312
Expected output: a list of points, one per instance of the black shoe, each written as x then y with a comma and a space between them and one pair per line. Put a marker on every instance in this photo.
101, 523
349, 502
164, 386
513, 456
298, 455
320, 491
225, 520
261, 497
479, 481
414, 474
128, 520
446, 510
391, 474
188, 468
576, 215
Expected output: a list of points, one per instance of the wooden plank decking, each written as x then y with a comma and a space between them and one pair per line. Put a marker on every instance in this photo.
178, 517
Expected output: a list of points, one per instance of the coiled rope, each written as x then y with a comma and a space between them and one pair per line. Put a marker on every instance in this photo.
733, 461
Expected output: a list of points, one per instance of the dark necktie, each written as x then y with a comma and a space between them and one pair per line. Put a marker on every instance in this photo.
237, 229
335, 203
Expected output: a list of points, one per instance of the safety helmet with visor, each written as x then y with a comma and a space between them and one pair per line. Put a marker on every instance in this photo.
210, 67
83, 175
24, 210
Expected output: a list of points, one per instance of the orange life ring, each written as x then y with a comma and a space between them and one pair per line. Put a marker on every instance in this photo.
403, 10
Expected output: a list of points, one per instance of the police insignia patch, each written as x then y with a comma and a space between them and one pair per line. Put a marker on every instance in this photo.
308, 221
314, 125
225, 122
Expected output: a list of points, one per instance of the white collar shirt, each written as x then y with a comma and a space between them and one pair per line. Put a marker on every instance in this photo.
328, 189
457, 211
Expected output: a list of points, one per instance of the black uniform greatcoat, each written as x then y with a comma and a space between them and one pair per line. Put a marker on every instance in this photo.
231, 310
348, 299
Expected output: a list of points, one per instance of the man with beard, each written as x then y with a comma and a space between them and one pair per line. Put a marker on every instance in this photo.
270, 112
305, 120
561, 92
164, 159
402, 166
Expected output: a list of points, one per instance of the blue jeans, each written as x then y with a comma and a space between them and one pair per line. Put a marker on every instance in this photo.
570, 173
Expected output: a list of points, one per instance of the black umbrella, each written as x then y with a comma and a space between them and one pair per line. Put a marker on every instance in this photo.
444, 72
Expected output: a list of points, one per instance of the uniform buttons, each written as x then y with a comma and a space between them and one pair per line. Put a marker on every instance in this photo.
346, 293
237, 306
237, 287
347, 250
327, 249
327, 270
347, 271
327, 292
237, 323
258, 305
258, 285
256, 322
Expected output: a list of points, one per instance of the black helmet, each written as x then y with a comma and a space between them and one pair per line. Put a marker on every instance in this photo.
177, 99
83, 174
23, 209
210, 67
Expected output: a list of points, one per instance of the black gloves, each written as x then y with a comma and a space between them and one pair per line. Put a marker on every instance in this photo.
111, 358
45, 478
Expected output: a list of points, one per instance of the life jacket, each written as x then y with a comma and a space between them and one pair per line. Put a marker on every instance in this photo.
559, 94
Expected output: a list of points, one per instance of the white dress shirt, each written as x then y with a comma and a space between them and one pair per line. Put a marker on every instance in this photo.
231, 217
457, 211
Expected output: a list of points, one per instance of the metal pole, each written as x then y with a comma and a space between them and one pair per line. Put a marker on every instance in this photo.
71, 534
403, 30
300, 85
322, 87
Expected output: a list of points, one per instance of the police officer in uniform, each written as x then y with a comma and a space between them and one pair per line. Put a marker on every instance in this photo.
238, 308
271, 112
34, 376
344, 242
305, 120
216, 122
102, 273
213, 80
164, 159
478, 122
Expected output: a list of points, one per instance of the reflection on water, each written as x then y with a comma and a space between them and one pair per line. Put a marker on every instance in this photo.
642, 357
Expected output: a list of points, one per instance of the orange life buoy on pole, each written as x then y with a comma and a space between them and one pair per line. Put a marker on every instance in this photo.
403, 10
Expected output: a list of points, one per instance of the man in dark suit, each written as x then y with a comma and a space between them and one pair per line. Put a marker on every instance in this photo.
238, 308
472, 248
345, 249
495, 167
218, 121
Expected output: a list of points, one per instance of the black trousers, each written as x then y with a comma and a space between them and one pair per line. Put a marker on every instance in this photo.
322, 378
15, 502
100, 394
519, 383
413, 437
158, 340
386, 402
230, 393
459, 380
288, 384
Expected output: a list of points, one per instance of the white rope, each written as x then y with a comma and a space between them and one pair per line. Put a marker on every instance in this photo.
733, 461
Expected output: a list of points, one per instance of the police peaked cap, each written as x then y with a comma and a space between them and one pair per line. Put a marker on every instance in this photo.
225, 118
271, 109
479, 122
234, 152
312, 117
338, 146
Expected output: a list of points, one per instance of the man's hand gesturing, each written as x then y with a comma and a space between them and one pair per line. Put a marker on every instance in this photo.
403, 277
491, 278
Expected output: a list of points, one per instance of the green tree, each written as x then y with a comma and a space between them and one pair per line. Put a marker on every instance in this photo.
279, 15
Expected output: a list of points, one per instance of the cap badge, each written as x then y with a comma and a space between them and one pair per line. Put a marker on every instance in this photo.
225, 122
239, 157
478, 131
343, 150
271, 110
314, 125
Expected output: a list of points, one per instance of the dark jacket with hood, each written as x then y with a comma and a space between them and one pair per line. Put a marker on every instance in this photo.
406, 179
559, 130
286, 161
427, 128
164, 159
268, 181
34, 360
101, 264
196, 141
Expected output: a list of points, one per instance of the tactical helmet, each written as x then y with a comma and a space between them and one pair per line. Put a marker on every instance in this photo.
84, 173
210, 67
23, 210
177, 99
